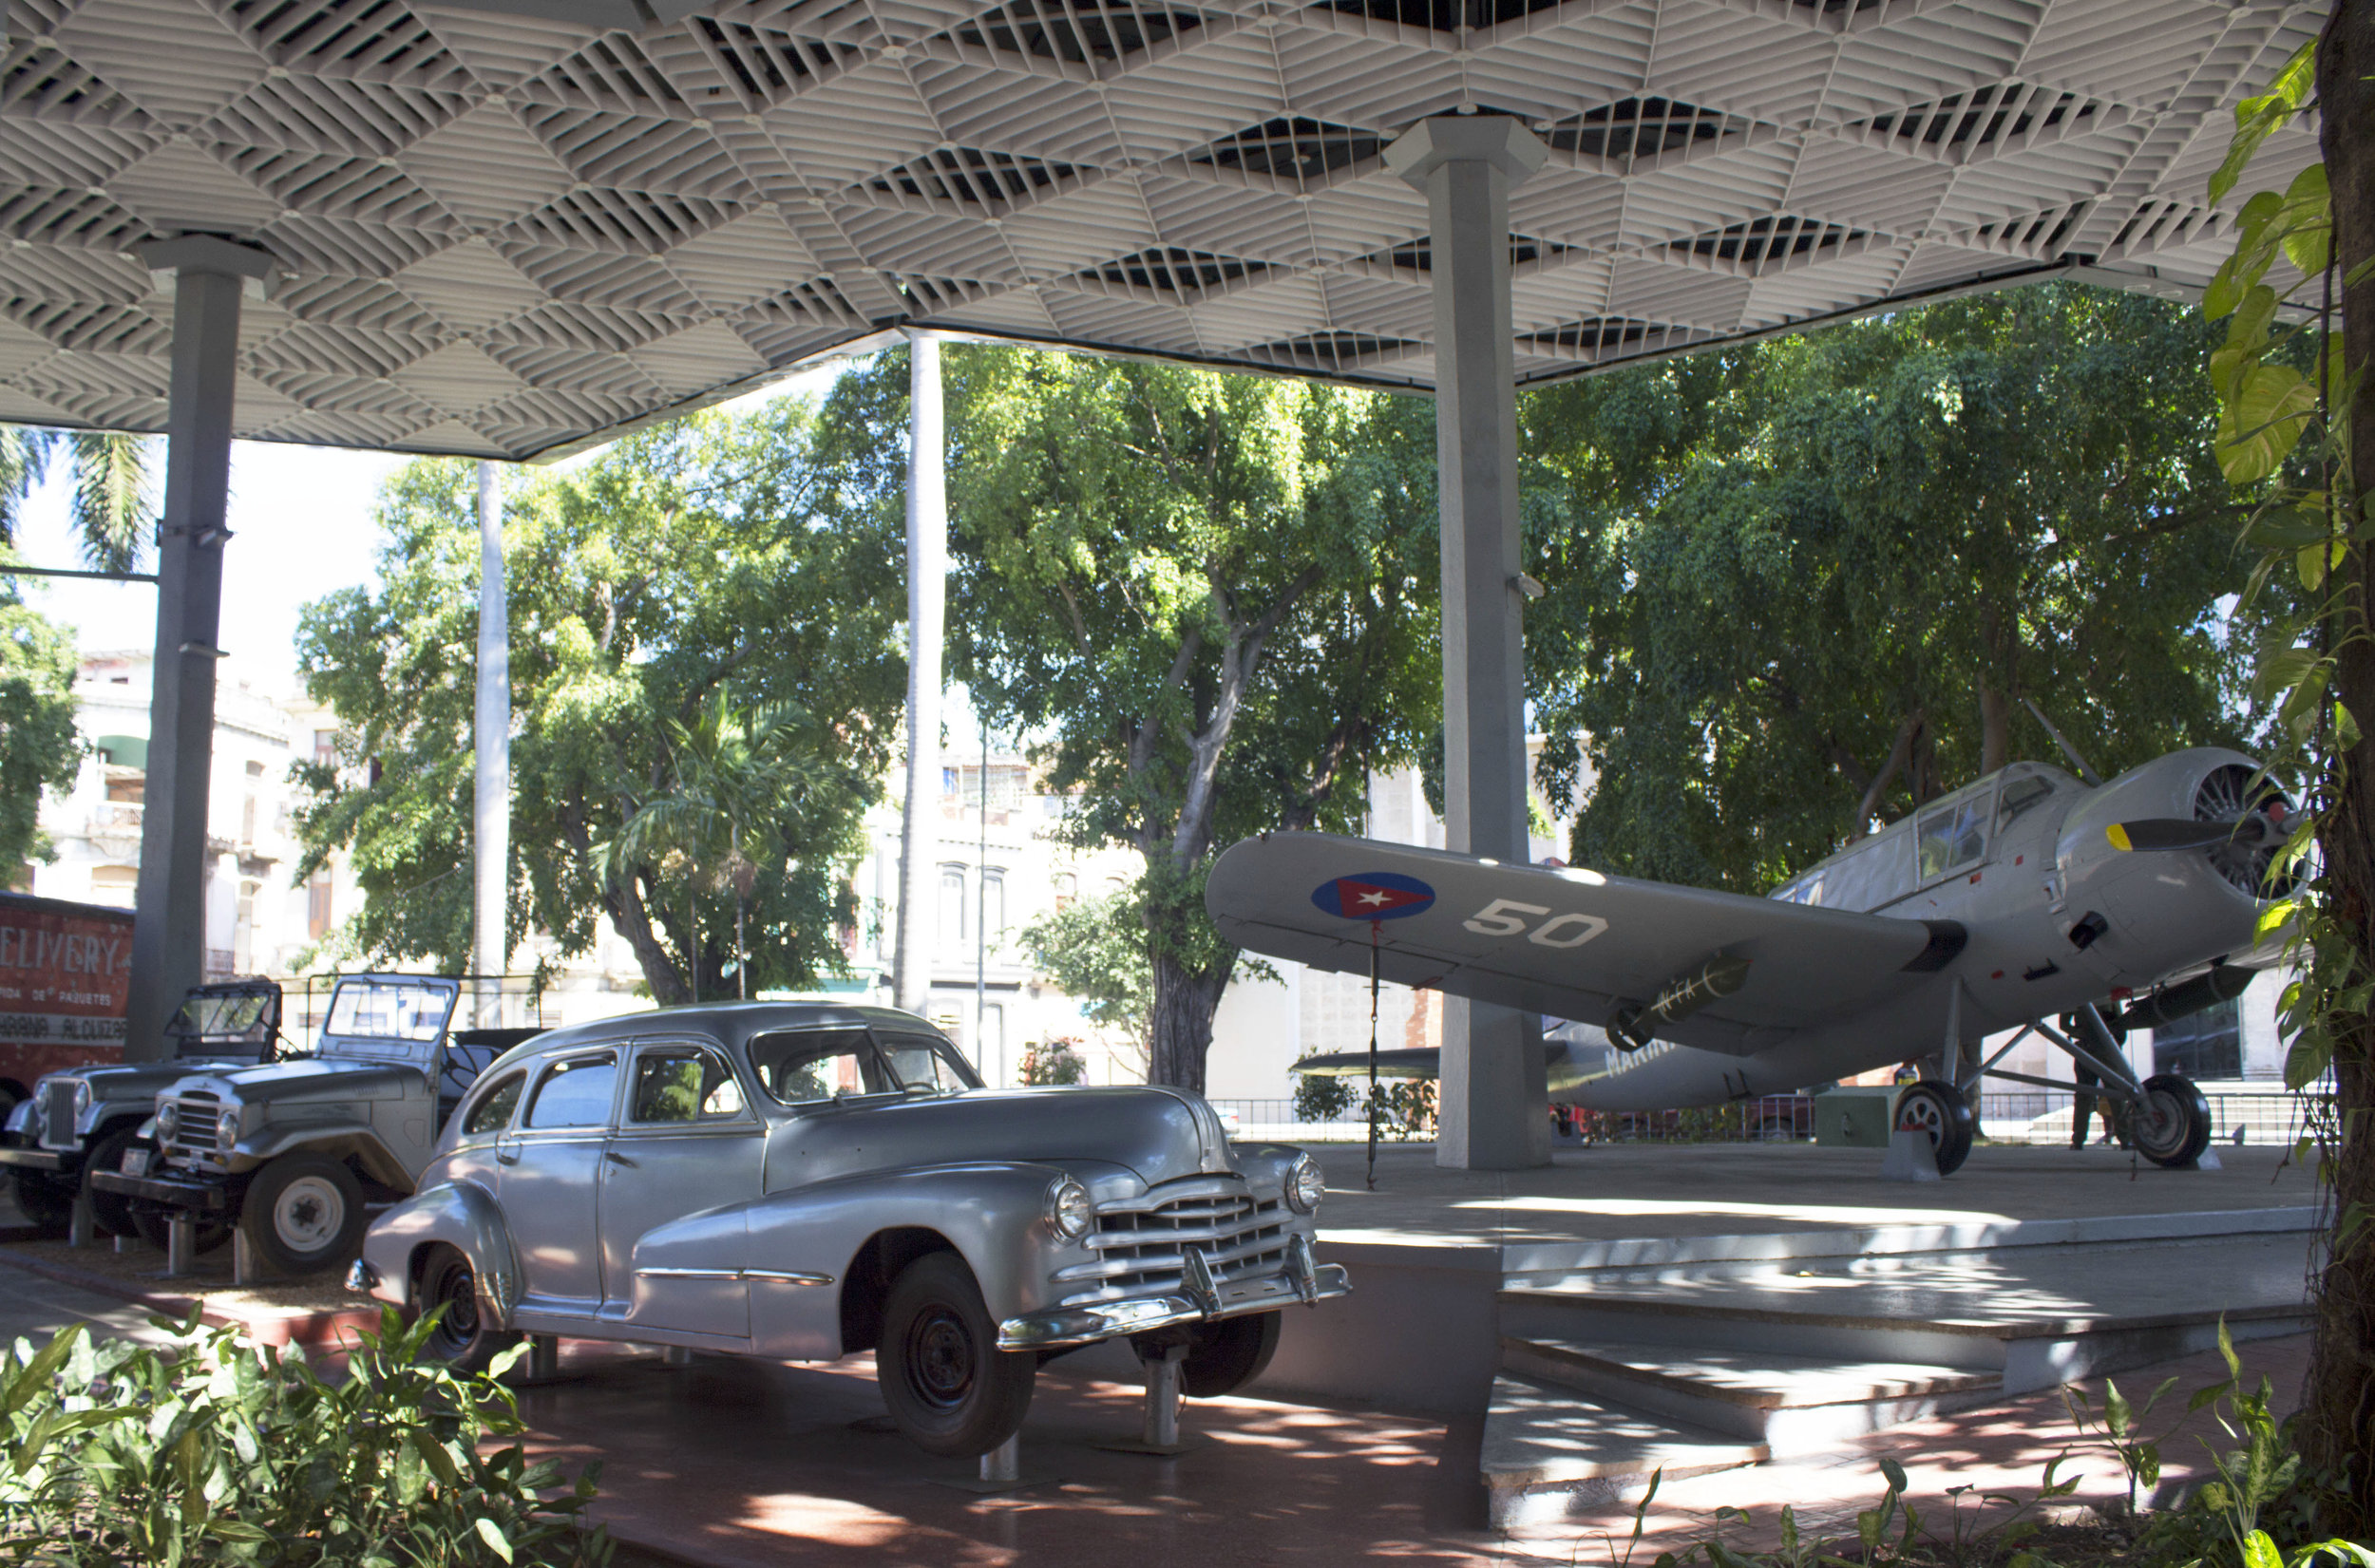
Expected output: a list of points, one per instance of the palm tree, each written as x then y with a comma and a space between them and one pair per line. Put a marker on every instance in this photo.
113, 506
717, 819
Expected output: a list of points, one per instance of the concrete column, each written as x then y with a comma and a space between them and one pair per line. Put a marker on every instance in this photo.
169, 932
1493, 1113
928, 608
491, 746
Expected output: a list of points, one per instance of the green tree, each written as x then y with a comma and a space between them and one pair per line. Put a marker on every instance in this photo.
113, 503
1799, 588
1096, 952
1212, 595
38, 746
687, 561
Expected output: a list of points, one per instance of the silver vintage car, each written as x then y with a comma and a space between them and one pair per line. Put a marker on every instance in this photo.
799, 1181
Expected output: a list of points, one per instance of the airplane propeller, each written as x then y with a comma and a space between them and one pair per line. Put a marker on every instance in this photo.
2177, 833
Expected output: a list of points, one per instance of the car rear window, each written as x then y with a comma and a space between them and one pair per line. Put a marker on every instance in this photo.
493, 1113
801, 1066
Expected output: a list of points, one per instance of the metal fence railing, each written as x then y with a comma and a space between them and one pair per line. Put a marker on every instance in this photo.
2041, 1116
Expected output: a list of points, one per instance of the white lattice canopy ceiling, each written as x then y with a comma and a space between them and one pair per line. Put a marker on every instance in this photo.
507, 234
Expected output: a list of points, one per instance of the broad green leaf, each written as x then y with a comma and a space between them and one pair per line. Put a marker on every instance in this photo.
491, 1533
1894, 1474
2286, 528
2282, 668
2256, 119
2309, 216
2258, 1552
2263, 423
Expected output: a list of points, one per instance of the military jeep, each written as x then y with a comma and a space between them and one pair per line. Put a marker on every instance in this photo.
85, 1118
293, 1154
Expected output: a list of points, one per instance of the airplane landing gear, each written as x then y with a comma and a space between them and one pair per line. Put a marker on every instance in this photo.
2170, 1124
1937, 1110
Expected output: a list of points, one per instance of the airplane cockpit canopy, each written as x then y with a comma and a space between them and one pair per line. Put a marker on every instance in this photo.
1946, 838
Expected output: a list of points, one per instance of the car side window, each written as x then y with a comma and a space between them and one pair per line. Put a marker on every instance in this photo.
922, 1065
493, 1111
575, 1092
801, 1066
680, 1083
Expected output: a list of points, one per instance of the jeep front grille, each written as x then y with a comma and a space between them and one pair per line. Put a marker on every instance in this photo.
57, 1115
1141, 1244
193, 1142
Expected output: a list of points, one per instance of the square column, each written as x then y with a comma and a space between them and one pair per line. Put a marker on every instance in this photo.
169, 928
1493, 1113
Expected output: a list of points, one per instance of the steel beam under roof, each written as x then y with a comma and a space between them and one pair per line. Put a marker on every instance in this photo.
511, 228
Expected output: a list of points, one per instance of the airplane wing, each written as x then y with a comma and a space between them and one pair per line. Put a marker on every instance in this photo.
1418, 1061
1565, 941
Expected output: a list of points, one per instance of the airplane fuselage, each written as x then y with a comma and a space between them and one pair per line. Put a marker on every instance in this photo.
2053, 916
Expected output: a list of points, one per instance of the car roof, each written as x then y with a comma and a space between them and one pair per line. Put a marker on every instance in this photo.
732, 1023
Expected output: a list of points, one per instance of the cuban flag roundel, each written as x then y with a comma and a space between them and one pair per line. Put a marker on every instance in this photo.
1375, 895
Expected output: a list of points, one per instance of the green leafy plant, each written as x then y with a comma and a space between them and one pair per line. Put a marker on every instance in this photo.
1322, 1098
214, 1449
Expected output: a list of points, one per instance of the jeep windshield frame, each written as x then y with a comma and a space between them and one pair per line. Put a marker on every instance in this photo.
389, 1018
235, 1019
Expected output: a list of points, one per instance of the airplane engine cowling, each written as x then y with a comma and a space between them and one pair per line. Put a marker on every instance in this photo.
2134, 915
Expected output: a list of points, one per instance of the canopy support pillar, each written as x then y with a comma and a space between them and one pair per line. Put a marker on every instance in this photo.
169, 928
1493, 1113
927, 602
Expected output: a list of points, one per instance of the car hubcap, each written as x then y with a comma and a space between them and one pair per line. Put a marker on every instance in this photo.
460, 1299
939, 1358
310, 1213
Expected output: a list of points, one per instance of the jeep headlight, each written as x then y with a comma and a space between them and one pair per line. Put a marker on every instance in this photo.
1305, 1185
226, 1128
81, 1096
1069, 1212
168, 1121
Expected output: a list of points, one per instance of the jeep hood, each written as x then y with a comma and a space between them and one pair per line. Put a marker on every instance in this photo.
322, 1078
1160, 1134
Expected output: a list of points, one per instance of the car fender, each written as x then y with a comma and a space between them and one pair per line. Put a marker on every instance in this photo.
461, 1214
355, 1141
797, 1251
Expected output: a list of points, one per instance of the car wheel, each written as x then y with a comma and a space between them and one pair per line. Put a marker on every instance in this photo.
110, 1211
1939, 1112
951, 1391
149, 1222
1223, 1357
466, 1337
2172, 1126
303, 1212
47, 1206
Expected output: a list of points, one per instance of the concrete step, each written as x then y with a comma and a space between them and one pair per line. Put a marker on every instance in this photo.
1548, 1455
1791, 1404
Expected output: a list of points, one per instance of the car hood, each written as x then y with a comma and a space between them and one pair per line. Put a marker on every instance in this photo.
322, 1078
142, 1080
1159, 1133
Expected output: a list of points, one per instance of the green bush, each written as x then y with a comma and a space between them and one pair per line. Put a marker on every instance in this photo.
217, 1450
1320, 1097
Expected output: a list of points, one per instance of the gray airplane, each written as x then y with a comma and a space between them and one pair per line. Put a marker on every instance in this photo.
2026, 896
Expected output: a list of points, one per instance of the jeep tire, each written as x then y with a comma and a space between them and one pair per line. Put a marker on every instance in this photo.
303, 1212
48, 1205
110, 1211
153, 1221
951, 1391
466, 1337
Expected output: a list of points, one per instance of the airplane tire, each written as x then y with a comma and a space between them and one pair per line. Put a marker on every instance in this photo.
2172, 1126
1939, 1111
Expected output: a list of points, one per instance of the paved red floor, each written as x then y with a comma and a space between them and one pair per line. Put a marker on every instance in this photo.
730, 1463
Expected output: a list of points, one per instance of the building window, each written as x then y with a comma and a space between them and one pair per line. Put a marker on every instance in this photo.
325, 746
993, 908
2208, 1044
317, 915
952, 908
116, 886
948, 781
243, 929
1066, 891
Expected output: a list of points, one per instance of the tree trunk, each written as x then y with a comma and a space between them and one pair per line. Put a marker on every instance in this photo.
1184, 1001
634, 923
1995, 728
2339, 1400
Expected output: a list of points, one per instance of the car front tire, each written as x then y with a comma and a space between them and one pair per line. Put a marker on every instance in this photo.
951, 1391
465, 1339
110, 1211
1223, 1357
303, 1212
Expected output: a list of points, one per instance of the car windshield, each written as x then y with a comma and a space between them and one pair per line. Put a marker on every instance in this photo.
922, 1065
801, 1066
384, 1009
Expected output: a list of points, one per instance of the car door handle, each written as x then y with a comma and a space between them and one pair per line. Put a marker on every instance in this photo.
615, 1158
507, 1157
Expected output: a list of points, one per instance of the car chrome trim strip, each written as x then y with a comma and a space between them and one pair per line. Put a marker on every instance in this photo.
764, 1277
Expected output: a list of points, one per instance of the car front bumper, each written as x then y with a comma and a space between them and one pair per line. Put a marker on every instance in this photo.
47, 1162
1201, 1299
174, 1192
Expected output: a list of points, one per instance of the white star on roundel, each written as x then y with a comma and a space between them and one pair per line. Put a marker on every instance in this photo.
1372, 899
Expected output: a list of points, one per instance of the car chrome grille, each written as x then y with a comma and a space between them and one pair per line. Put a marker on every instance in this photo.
57, 1115
193, 1142
1142, 1245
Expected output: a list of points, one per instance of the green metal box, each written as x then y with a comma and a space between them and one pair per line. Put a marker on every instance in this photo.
1853, 1117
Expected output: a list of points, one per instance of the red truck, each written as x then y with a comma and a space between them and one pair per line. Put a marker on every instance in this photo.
65, 974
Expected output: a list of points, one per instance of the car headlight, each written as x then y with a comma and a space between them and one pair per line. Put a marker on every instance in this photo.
168, 1121
226, 1128
1305, 1185
1068, 1211
81, 1095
